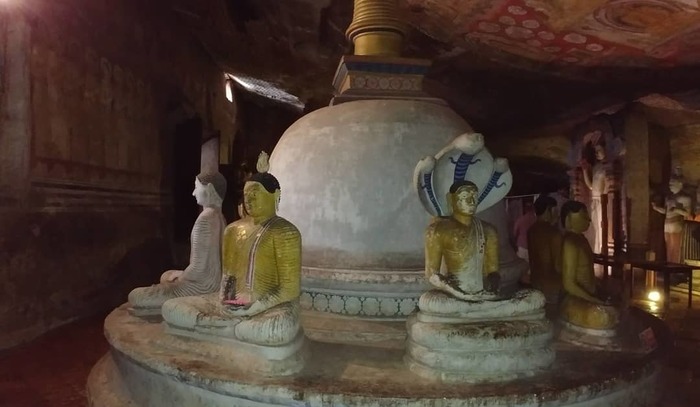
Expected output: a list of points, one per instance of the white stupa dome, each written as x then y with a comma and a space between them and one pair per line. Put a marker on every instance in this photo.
346, 177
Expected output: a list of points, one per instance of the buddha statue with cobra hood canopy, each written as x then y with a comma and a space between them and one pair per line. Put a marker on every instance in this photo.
467, 328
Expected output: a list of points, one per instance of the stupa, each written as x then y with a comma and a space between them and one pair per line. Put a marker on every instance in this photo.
348, 171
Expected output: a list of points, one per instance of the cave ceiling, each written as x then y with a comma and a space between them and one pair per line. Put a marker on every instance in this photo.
505, 65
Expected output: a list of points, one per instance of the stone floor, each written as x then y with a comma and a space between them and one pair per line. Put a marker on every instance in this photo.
52, 370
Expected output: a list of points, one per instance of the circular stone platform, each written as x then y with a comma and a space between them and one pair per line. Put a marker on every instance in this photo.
147, 367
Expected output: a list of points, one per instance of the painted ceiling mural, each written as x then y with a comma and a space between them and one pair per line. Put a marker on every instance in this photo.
646, 33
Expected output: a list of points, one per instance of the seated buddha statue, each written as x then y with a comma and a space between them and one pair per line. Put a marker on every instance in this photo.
468, 246
203, 274
465, 330
258, 300
586, 303
461, 262
544, 243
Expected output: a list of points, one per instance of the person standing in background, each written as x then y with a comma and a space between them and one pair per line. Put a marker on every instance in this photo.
520, 228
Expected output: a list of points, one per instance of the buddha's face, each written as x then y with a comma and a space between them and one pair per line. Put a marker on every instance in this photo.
578, 222
200, 193
675, 185
257, 201
464, 201
599, 152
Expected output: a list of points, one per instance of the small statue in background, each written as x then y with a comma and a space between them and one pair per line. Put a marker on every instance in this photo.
203, 274
596, 175
468, 246
586, 304
544, 241
677, 208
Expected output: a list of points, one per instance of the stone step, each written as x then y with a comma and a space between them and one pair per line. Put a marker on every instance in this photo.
333, 328
481, 336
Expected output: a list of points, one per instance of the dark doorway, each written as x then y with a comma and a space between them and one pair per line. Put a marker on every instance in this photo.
187, 143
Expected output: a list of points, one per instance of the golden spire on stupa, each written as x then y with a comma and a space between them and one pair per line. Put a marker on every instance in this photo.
376, 29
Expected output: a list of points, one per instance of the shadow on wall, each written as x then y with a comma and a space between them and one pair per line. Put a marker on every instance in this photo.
57, 267
140, 266
535, 175
262, 123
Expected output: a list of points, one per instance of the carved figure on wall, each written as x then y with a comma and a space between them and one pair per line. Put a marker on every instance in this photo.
140, 95
203, 274
73, 86
129, 97
106, 83
118, 91
91, 88
677, 208
258, 300
596, 178
597, 174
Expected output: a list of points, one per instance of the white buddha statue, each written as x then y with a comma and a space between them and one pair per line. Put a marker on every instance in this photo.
203, 274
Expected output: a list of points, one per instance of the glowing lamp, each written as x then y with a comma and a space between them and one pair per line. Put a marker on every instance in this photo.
654, 296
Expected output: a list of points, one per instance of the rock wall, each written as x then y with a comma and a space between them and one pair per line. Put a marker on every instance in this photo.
685, 150
90, 94
552, 145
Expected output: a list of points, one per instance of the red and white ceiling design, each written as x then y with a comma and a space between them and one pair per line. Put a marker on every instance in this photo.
646, 33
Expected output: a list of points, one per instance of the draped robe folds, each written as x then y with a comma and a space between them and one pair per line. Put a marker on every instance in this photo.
263, 260
462, 247
201, 276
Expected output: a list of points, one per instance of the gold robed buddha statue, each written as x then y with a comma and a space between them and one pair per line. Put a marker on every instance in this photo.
468, 247
261, 253
257, 307
465, 330
586, 304
544, 242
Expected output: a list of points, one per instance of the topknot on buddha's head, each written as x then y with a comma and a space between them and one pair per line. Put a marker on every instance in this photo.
217, 180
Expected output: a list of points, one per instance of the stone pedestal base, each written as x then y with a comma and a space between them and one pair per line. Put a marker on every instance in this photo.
148, 367
270, 343
604, 339
488, 341
261, 360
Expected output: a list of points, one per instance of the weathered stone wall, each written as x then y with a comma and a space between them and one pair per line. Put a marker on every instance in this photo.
538, 160
550, 144
88, 90
685, 150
